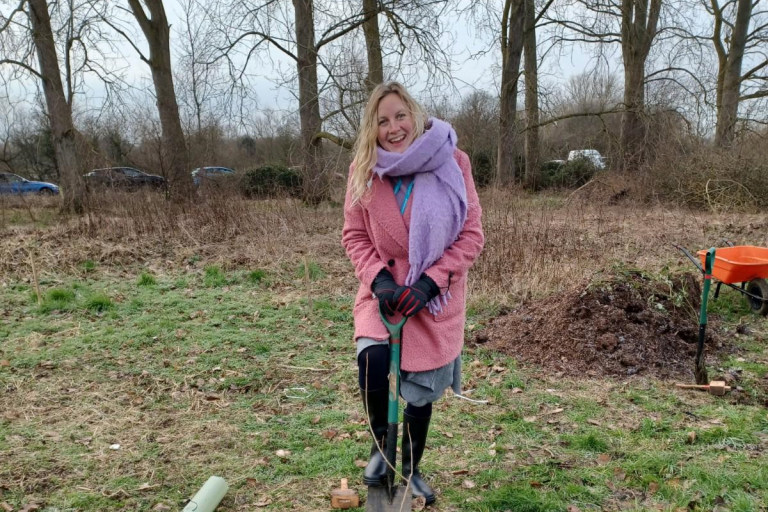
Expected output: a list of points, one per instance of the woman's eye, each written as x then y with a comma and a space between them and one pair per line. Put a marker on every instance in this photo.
400, 116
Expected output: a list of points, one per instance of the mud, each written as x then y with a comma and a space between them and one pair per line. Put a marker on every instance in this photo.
619, 326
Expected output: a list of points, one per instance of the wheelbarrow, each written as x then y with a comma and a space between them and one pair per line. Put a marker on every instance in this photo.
745, 265
742, 265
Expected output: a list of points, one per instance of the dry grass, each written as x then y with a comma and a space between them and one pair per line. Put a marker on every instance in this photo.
535, 244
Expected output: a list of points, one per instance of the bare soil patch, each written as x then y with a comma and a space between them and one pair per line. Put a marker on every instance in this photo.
620, 326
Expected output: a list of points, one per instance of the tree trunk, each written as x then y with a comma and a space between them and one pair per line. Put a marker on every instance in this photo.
157, 32
373, 44
511, 50
314, 177
632, 123
59, 111
639, 20
728, 106
531, 97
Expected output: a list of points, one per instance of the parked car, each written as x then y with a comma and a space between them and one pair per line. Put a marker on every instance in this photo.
122, 177
201, 174
592, 155
12, 184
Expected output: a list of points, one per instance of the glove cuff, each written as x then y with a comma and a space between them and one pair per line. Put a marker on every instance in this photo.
430, 288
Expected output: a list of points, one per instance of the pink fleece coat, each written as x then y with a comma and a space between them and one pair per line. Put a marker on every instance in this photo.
375, 236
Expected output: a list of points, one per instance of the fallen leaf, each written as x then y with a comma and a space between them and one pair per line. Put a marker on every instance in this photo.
263, 502
316, 420
691, 437
29, 507
5, 362
162, 507
573, 508
448, 435
652, 488
619, 475
492, 452
516, 390
529, 419
468, 484
460, 472
604, 458
361, 463
535, 484
674, 482
5, 506
329, 434
251, 482
594, 422
145, 486
283, 453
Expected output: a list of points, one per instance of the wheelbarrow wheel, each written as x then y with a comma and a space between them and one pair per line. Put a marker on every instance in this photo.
758, 287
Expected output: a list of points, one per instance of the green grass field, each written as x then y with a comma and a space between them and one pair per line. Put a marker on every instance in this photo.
206, 372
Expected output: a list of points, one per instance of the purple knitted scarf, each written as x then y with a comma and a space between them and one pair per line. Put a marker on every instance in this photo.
439, 197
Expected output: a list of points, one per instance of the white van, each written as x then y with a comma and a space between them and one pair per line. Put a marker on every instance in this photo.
592, 155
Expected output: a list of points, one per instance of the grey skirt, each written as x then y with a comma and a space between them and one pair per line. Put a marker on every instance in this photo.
422, 388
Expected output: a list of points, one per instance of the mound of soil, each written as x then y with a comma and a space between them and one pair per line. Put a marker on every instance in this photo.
621, 326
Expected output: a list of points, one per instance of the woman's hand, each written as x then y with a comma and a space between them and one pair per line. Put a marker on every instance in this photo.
409, 300
383, 288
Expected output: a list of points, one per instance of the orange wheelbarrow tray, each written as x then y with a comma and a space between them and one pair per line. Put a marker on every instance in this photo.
744, 264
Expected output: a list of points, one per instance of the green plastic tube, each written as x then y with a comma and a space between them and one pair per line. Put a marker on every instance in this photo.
209, 496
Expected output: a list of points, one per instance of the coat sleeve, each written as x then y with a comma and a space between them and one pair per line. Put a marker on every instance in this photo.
357, 241
459, 257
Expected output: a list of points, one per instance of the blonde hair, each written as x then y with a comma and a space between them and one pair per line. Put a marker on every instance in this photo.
365, 146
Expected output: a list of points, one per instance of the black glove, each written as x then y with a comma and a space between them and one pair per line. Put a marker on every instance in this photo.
409, 300
383, 288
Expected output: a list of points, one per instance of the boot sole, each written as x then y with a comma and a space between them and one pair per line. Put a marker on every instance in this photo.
372, 482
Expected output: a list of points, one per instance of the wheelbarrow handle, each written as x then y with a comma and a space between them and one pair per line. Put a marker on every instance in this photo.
690, 257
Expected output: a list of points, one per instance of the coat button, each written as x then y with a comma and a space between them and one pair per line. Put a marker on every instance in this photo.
391, 263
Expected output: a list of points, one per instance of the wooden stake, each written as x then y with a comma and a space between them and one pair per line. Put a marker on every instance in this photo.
307, 281
34, 278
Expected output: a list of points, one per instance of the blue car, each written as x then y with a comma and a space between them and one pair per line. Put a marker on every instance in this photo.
13, 184
201, 174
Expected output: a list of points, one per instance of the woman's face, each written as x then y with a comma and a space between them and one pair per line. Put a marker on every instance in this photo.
395, 124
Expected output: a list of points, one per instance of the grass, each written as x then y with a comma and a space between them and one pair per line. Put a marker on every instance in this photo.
146, 279
192, 382
208, 369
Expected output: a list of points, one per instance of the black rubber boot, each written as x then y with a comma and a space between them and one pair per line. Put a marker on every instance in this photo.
413, 449
375, 471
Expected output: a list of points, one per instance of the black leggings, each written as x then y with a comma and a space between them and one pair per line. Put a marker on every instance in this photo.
378, 376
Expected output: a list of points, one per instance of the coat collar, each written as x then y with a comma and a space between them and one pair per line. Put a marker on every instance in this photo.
383, 210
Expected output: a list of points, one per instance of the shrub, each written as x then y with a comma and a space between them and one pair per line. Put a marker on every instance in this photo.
270, 181
482, 169
708, 178
573, 173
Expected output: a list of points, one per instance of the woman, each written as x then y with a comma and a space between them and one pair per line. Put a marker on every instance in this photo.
412, 230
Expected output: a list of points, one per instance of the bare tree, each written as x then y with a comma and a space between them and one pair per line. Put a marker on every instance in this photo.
740, 30
531, 67
512, 25
41, 35
634, 25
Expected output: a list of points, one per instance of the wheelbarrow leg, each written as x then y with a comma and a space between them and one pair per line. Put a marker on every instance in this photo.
717, 289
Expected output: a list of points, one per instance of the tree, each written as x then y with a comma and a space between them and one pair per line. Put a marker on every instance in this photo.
634, 25
65, 138
531, 66
158, 35
512, 24
733, 42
